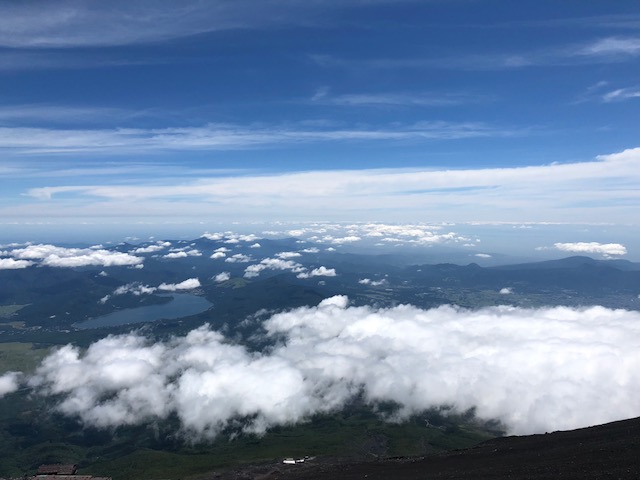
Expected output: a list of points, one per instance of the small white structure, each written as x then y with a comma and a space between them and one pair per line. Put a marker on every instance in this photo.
293, 461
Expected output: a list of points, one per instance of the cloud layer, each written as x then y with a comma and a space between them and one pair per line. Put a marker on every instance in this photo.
558, 191
54, 256
535, 370
592, 247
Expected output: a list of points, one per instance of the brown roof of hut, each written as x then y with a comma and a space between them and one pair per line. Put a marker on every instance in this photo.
57, 469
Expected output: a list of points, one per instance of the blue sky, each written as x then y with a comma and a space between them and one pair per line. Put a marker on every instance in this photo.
461, 111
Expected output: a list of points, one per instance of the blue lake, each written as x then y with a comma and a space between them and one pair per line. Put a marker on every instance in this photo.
181, 305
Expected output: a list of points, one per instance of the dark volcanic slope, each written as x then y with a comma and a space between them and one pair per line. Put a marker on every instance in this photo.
610, 451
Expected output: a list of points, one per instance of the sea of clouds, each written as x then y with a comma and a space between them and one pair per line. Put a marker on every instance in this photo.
535, 370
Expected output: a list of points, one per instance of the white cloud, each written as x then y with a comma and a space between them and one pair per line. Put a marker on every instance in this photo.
536, 370
506, 291
215, 137
152, 248
217, 255
9, 383
183, 254
613, 46
12, 264
348, 239
621, 94
321, 271
238, 258
253, 271
213, 236
483, 255
189, 284
497, 194
135, 289
310, 250
424, 99
285, 255
592, 247
44, 24
373, 283
53, 256
222, 277
255, 245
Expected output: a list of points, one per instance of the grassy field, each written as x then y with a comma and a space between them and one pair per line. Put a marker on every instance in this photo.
7, 310
20, 357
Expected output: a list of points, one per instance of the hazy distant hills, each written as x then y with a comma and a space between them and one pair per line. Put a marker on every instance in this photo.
575, 262
55, 297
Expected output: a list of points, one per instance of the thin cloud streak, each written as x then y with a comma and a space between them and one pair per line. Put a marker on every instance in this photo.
576, 192
73, 24
395, 99
30, 141
604, 50
621, 94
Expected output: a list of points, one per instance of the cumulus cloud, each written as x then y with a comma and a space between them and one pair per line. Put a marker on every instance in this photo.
216, 255
54, 256
483, 255
9, 382
592, 247
137, 288
238, 258
152, 248
222, 277
321, 271
415, 234
286, 255
535, 370
13, 264
272, 264
212, 236
183, 254
230, 237
342, 240
373, 283
506, 291
255, 245
189, 284
410, 233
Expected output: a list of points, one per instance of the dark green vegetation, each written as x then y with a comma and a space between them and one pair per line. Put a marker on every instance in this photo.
593, 453
31, 435
39, 305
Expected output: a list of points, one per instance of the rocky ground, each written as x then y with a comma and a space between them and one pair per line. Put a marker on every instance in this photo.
610, 451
